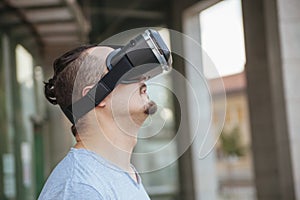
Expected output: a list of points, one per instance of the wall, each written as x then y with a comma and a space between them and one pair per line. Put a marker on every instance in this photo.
289, 27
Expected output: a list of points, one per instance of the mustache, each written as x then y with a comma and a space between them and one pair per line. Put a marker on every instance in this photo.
151, 108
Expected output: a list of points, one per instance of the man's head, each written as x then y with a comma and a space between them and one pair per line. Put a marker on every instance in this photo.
78, 70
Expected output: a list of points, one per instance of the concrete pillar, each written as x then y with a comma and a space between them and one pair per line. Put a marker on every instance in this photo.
289, 29
185, 162
204, 167
269, 127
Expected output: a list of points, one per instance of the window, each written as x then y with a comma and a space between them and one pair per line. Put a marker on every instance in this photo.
24, 69
222, 38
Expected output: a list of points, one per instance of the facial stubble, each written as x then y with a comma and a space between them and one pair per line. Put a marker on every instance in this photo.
151, 108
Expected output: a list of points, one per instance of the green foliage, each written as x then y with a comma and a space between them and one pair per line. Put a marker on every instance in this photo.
231, 144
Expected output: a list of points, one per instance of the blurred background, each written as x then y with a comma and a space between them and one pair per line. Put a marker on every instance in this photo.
255, 46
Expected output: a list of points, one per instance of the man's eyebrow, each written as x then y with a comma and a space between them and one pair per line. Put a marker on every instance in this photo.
143, 85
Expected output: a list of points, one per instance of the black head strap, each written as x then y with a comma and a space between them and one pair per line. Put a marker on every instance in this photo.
98, 92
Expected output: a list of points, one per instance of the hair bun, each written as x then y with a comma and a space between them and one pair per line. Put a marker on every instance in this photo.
50, 91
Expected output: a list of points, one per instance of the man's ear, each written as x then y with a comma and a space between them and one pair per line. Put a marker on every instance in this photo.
87, 89
102, 104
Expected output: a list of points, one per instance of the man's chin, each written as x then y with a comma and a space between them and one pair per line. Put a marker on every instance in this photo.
151, 108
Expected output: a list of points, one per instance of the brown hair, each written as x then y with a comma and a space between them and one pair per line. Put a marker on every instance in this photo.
75, 65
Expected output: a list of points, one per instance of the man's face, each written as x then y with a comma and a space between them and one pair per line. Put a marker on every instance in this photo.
129, 103
132, 100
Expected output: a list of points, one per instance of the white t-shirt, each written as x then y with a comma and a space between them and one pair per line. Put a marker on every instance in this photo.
84, 175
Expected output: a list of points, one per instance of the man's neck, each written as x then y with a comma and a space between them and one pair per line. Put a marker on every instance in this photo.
112, 142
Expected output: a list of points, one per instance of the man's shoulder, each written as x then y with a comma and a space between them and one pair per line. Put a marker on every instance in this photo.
85, 171
71, 190
79, 166
89, 168
107, 179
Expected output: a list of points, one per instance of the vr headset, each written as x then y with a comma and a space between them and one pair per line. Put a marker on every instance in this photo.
142, 58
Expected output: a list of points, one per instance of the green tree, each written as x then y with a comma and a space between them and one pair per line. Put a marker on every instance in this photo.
231, 143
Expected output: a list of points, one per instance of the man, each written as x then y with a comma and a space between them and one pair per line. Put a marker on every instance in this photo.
98, 166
